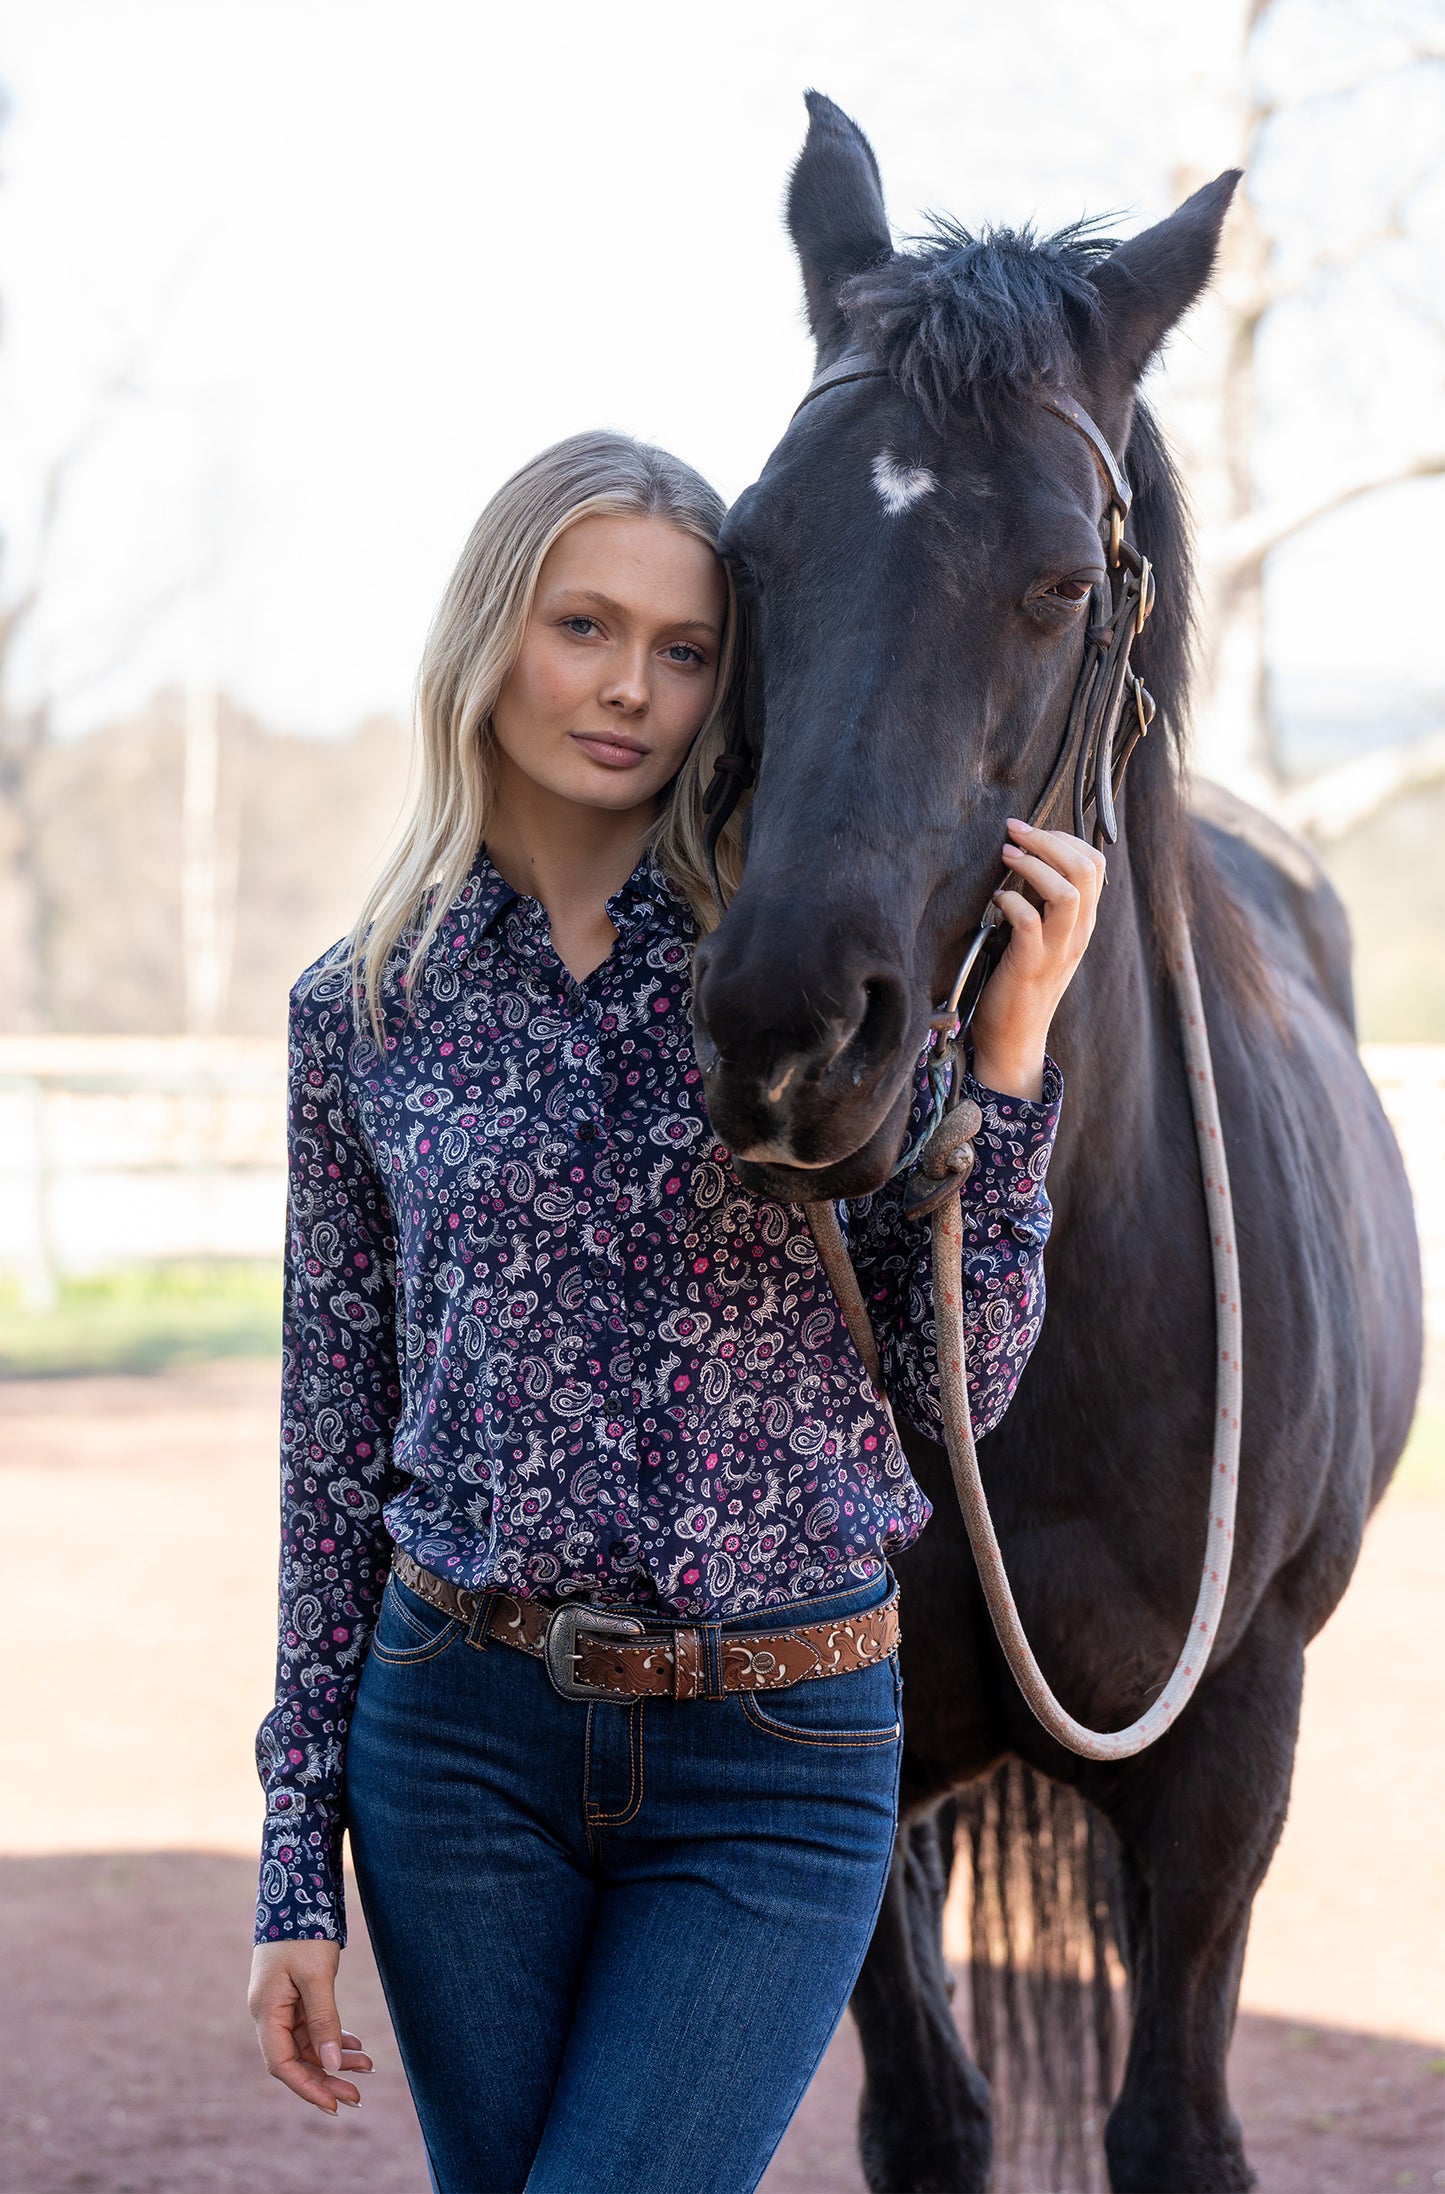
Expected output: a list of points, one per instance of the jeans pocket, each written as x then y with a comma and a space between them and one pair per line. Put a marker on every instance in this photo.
859, 1709
409, 1628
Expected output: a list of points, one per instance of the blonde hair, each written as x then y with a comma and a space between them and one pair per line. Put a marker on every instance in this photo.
474, 641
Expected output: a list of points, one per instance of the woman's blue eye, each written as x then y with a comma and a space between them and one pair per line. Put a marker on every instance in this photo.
573, 622
680, 649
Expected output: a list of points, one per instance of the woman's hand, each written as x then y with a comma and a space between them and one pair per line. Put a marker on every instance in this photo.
1046, 944
292, 1999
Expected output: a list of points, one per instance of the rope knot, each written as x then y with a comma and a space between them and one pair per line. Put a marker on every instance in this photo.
945, 1161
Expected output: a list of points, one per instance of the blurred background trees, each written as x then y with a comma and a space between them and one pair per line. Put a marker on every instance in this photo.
294, 830
183, 825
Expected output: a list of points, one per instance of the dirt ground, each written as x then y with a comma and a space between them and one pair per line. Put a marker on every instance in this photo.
126, 1873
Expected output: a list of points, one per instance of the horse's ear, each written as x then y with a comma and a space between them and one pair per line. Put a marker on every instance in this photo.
835, 216
1150, 282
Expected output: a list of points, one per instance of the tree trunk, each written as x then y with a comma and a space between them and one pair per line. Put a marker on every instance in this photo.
1235, 737
24, 1000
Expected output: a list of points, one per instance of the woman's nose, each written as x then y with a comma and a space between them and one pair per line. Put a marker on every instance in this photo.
627, 690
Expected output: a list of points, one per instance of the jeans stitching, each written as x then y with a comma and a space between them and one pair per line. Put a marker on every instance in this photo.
400, 1609
410, 1656
827, 1740
636, 1773
588, 1818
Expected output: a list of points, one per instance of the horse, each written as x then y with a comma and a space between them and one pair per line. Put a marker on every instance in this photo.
910, 567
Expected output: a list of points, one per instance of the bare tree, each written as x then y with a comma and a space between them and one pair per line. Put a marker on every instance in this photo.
26, 735
1239, 739
25, 731
27, 726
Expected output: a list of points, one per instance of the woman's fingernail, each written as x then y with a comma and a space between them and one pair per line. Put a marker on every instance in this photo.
330, 2054
1016, 822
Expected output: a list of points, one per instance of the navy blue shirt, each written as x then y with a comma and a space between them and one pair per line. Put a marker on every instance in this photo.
539, 1335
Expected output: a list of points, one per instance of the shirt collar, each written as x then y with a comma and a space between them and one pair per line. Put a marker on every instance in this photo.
647, 897
482, 900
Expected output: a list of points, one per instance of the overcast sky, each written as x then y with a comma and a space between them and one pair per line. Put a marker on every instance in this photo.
353, 261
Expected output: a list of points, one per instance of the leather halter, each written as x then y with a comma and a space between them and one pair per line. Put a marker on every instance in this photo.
1082, 788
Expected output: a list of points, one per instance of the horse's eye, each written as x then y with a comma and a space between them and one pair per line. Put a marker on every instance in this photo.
1068, 590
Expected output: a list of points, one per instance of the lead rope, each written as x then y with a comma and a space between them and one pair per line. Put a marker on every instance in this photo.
954, 1157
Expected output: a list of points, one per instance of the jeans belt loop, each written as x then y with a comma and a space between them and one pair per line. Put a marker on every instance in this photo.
481, 1621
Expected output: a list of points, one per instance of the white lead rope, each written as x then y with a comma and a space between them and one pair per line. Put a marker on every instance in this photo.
1090, 1744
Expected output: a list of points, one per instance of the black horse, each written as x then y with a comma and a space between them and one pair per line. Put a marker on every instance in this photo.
913, 561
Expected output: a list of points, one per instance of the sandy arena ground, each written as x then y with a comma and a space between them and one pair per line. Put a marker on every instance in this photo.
128, 1813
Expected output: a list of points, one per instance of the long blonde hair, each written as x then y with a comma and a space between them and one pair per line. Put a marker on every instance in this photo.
474, 641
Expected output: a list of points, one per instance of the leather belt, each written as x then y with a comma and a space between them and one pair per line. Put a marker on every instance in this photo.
593, 1652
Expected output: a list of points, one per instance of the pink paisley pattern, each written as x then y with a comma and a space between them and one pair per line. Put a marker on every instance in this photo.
537, 1334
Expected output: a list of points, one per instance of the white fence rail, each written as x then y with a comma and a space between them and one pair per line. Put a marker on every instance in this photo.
124, 1149
127, 1149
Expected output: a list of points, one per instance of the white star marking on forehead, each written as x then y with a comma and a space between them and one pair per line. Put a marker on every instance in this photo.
900, 486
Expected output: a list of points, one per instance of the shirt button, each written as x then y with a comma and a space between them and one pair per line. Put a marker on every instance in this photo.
600, 1269
586, 1132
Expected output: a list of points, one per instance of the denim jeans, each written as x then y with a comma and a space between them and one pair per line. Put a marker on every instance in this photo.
615, 1937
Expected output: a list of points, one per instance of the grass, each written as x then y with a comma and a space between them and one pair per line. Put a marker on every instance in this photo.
144, 1318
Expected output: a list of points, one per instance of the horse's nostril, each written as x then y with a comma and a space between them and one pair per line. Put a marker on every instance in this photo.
878, 1030
780, 1046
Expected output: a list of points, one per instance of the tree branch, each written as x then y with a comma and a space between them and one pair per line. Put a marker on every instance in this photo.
139, 624
1339, 799
1235, 551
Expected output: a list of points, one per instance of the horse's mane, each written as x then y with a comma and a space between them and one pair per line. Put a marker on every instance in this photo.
986, 320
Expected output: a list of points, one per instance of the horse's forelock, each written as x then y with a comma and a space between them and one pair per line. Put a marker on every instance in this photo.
987, 316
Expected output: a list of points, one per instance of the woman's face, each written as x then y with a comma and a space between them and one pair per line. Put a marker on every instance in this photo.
618, 663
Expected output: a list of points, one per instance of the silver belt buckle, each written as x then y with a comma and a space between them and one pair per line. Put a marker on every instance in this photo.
559, 1645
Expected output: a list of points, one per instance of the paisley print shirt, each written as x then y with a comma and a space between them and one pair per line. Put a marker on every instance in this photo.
537, 1333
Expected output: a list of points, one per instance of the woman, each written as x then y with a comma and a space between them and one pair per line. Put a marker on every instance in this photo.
544, 1353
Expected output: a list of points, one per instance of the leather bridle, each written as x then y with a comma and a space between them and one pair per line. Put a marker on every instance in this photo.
1082, 789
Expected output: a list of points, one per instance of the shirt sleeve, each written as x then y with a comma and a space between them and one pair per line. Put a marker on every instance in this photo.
1006, 1216
340, 1397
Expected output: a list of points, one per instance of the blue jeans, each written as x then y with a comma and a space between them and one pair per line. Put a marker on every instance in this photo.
615, 1938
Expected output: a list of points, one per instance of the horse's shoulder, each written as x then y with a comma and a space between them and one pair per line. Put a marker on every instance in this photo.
1278, 881
1222, 810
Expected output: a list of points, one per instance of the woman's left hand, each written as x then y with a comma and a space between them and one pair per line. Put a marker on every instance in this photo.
1046, 944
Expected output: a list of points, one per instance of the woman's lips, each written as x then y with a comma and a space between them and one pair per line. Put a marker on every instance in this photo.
611, 752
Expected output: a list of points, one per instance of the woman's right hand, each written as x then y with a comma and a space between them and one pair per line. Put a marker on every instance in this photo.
292, 1999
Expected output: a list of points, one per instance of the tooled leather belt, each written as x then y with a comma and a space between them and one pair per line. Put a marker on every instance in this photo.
593, 1652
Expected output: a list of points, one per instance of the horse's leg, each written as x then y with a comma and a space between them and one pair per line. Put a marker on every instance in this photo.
924, 2123
1198, 1818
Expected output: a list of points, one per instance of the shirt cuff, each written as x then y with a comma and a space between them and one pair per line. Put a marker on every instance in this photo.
300, 1894
1013, 1145
1042, 1111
